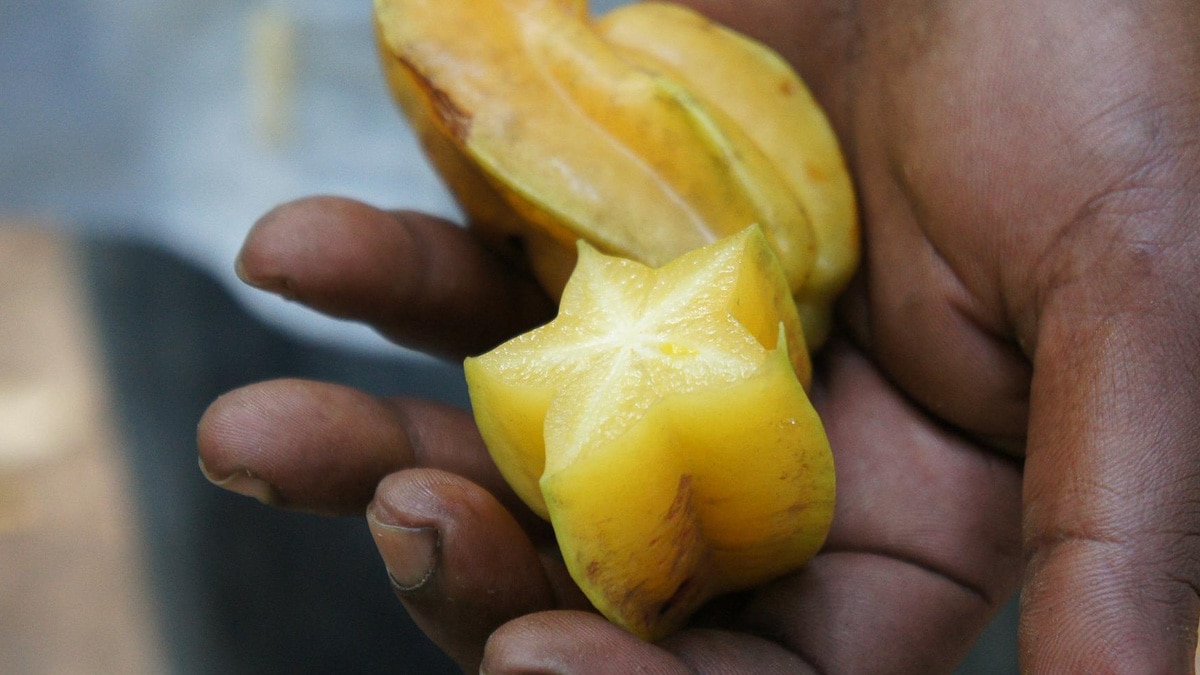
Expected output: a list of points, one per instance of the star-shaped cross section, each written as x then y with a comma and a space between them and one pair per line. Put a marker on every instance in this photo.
628, 336
660, 424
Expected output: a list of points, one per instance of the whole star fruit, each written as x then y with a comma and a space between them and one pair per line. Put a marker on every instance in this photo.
661, 423
647, 132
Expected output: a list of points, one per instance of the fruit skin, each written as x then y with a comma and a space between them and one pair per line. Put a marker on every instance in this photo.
760, 93
712, 486
741, 499
550, 127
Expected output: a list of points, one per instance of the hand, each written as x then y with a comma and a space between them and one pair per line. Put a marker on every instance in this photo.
905, 578
1014, 397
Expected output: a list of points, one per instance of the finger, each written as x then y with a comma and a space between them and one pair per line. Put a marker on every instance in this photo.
573, 642
460, 563
719, 651
324, 447
922, 316
914, 490
1111, 521
421, 281
860, 612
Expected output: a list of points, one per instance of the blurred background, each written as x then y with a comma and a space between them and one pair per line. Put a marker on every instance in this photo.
139, 141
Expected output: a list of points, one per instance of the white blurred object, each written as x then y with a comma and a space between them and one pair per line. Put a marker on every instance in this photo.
50, 401
181, 123
295, 106
271, 73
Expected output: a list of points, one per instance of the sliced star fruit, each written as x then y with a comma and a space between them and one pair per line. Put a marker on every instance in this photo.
661, 424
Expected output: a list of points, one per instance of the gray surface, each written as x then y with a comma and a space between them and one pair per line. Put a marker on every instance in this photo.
144, 115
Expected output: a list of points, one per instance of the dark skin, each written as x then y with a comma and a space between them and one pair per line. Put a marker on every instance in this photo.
1011, 399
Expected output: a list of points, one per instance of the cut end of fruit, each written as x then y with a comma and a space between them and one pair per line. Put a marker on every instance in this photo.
661, 421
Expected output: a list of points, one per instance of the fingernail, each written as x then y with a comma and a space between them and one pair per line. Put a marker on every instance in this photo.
239, 268
409, 553
242, 482
271, 283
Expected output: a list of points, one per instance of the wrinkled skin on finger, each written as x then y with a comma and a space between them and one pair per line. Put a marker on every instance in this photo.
419, 283
1011, 402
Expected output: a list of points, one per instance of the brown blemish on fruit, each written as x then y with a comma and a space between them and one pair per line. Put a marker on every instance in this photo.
455, 120
680, 593
683, 498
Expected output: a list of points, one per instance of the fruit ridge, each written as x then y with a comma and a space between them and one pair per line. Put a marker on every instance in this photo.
659, 422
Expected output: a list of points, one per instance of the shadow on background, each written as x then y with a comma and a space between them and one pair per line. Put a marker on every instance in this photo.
240, 587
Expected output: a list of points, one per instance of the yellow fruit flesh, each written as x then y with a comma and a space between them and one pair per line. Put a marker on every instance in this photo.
577, 140
762, 95
661, 423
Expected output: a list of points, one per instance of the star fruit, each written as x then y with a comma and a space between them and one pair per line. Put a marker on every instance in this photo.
648, 132
660, 422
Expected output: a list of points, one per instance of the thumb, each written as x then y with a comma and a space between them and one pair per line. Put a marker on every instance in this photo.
1112, 480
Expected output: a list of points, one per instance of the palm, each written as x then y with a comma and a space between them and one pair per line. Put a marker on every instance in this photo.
1006, 154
